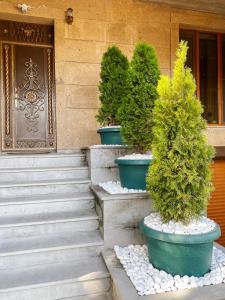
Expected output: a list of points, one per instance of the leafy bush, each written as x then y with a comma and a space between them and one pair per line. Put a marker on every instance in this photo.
179, 178
113, 85
135, 113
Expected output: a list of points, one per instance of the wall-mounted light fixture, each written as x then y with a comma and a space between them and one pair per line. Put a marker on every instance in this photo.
24, 7
69, 16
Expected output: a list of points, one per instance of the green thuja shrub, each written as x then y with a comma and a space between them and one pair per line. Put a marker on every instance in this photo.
113, 85
179, 178
135, 113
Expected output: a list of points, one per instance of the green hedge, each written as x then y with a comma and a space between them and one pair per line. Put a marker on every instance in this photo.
135, 113
113, 85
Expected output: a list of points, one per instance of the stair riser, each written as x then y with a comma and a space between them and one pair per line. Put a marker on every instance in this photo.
43, 189
43, 175
52, 228
41, 161
46, 257
59, 291
45, 207
105, 296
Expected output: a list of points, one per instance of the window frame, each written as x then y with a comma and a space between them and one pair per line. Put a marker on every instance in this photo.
196, 61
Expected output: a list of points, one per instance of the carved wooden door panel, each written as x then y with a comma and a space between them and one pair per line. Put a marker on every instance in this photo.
28, 108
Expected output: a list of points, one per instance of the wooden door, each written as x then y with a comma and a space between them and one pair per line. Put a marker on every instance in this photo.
28, 105
216, 209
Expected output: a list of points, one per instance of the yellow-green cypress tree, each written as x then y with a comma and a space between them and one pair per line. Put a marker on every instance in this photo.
179, 179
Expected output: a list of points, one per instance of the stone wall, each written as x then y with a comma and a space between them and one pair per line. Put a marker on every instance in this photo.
79, 48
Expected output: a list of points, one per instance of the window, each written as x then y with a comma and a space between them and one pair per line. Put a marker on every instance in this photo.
205, 58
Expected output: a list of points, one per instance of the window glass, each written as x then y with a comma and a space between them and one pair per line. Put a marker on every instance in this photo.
189, 36
209, 76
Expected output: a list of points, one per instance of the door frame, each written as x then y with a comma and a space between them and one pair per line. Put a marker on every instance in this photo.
52, 135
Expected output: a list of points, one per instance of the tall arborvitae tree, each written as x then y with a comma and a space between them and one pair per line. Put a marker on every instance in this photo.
113, 85
179, 179
135, 113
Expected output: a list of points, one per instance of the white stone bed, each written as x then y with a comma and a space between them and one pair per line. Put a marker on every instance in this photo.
148, 280
136, 156
107, 146
197, 226
112, 126
114, 187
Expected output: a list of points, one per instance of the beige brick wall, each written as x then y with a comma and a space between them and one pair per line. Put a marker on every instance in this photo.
79, 48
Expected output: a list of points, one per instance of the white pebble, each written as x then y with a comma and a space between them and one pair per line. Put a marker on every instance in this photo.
198, 226
116, 188
137, 156
149, 281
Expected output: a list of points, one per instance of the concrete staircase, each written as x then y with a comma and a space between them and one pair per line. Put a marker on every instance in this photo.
49, 239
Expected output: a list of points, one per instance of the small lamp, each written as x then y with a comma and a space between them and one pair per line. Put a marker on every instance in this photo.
69, 16
24, 7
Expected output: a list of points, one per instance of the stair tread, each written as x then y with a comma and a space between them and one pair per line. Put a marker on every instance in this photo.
53, 197
42, 155
49, 242
50, 274
35, 169
104, 296
53, 217
43, 182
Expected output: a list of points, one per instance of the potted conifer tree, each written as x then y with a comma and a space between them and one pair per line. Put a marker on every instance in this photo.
135, 116
113, 88
180, 239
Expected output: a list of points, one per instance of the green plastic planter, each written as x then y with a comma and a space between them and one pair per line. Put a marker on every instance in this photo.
110, 136
180, 254
133, 172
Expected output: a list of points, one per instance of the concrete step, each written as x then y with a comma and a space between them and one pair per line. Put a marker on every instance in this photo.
25, 188
49, 223
46, 203
105, 296
48, 160
55, 281
34, 174
36, 250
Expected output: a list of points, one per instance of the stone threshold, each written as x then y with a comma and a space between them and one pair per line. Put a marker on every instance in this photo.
123, 288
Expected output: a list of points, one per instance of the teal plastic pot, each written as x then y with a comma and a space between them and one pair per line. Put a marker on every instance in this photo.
110, 136
180, 254
133, 172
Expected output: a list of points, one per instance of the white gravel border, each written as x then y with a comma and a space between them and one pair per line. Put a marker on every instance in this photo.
114, 187
197, 226
136, 156
108, 146
148, 280
116, 126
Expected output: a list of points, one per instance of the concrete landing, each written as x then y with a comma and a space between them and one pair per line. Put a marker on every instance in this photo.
123, 288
